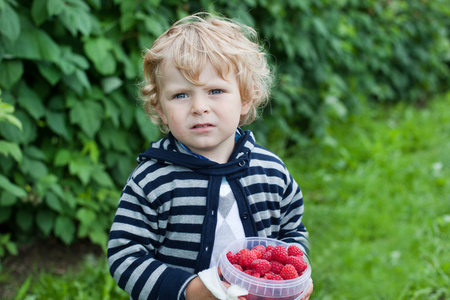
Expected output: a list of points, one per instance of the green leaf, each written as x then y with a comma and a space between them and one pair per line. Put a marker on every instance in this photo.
82, 167
12, 248
65, 229
103, 178
57, 123
86, 216
83, 79
99, 51
10, 72
148, 130
53, 202
45, 220
113, 138
24, 219
50, 72
98, 236
10, 148
10, 187
34, 168
36, 44
153, 23
23, 290
127, 21
30, 101
73, 14
110, 84
39, 11
24, 136
62, 157
88, 115
9, 22
7, 199
55, 7
34, 152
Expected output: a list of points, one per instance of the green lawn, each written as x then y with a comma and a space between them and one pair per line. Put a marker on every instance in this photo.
377, 198
378, 204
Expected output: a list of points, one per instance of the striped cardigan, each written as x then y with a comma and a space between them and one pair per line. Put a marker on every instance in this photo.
164, 227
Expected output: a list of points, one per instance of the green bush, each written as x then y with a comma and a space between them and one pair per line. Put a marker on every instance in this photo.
71, 68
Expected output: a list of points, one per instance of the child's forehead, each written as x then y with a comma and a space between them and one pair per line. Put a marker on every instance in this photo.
192, 70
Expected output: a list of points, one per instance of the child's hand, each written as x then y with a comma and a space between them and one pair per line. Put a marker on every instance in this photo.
309, 292
196, 290
208, 286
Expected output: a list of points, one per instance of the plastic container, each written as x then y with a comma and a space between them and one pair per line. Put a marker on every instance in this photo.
258, 288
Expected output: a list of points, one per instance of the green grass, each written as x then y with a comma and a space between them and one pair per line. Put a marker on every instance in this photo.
377, 198
92, 281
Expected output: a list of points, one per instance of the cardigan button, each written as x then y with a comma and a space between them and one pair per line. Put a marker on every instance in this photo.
242, 163
244, 216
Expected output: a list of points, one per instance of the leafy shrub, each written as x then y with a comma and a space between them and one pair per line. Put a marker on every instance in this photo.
70, 70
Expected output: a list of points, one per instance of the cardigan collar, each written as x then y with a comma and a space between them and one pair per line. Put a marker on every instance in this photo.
170, 152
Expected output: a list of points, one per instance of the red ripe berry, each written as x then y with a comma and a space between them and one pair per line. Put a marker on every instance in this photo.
267, 255
257, 253
252, 273
238, 267
279, 254
270, 247
298, 263
288, 272
261, 266
294, 250
259, 248
232, 258
277, 277
247, 257
276, 266
249, 272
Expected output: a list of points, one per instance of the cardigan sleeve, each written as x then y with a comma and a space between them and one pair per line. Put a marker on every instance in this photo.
131, 251
292, 228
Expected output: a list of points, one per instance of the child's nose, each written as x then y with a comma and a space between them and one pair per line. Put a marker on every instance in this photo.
199, 105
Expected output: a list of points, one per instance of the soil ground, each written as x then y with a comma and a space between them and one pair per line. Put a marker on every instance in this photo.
39, 256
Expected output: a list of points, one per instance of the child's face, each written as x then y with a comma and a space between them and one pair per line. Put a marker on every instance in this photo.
202, 117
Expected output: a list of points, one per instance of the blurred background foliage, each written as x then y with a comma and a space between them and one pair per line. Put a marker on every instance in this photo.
71, 124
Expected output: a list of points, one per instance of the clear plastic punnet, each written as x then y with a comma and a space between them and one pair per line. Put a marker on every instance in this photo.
259, 288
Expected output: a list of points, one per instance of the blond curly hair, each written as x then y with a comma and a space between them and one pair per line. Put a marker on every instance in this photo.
200, 39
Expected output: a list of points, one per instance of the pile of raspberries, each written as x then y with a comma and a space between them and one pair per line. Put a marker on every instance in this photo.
271, 262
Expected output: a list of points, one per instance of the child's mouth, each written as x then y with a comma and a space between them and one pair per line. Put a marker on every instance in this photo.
202, 126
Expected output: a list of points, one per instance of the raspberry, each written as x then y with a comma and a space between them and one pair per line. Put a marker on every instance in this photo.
238, 267
294, 250
261, 266
270, 247
288, 272
276, 266
277, 277
272, 276
267, 255
247, 257
298, 263
232, 258
252, 273
257, 253
279, 254
260, 248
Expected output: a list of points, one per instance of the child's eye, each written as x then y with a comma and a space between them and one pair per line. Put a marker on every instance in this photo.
216, 92
179, 96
